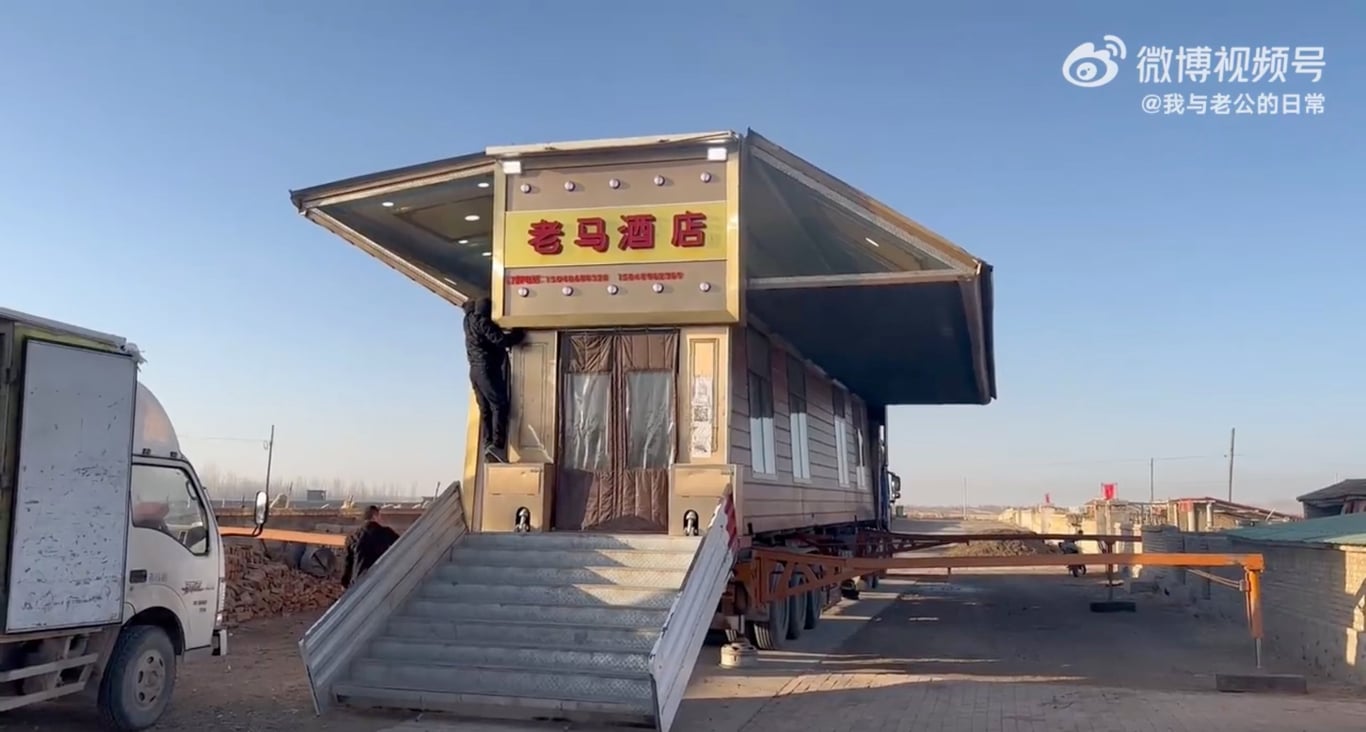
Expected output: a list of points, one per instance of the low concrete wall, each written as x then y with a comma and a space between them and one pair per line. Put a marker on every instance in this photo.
1312, 597
1052, 520
330, 520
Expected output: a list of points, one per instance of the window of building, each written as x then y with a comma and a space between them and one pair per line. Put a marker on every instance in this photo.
861, 444
797, 419
841, 434
165, 501
762, 450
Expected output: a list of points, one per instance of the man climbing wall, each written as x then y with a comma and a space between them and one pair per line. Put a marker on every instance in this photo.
486, 346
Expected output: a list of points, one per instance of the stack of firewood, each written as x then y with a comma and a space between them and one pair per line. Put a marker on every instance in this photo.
260, 586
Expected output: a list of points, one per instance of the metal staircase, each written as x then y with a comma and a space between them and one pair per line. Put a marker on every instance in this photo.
589, 627
540, 625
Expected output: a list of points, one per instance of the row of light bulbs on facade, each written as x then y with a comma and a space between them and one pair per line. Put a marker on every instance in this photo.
615, 183
612, 289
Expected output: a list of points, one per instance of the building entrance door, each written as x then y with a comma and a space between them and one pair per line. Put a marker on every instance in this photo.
617, 430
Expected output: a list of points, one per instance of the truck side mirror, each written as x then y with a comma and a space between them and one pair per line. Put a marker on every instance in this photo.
261, 511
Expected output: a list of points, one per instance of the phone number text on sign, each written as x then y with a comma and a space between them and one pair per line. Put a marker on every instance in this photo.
690, 232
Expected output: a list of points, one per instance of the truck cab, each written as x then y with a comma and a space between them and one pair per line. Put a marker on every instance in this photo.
113, 561
175, 558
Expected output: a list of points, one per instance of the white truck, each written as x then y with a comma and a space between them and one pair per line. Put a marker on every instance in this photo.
113, 566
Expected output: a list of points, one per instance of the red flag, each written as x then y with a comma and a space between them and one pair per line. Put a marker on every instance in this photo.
1107, 491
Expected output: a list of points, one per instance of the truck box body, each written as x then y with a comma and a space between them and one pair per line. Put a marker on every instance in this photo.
68, 399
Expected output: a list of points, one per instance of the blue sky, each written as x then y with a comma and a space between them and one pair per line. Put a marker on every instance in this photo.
1160, 279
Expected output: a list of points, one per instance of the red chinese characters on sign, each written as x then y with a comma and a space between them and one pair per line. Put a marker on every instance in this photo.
593, 234
636, 231
546, 237
690, 229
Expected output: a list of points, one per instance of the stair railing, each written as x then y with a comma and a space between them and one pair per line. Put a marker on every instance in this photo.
362, 612
685, 628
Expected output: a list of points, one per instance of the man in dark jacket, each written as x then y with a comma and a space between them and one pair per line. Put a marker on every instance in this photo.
486, 346
366, 546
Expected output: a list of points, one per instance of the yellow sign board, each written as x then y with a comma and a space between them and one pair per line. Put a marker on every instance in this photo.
683, 232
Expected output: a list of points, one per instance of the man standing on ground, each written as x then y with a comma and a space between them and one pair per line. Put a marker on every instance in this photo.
366, 546
486, 346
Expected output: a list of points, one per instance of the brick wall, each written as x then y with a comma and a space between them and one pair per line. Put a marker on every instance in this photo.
1312, 597
1312, 606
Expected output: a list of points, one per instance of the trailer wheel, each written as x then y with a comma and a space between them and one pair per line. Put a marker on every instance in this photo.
770, 634
796, 610
137, 683
815, 605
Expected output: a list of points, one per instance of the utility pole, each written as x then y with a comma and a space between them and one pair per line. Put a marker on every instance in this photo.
965, 499
1152, 489
1232, 439
270, 456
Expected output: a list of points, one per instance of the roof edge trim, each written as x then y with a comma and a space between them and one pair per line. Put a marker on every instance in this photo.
391, 181
611, 143
872, 279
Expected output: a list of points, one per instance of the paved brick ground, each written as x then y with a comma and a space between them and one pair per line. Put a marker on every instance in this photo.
1013, 653
870, 702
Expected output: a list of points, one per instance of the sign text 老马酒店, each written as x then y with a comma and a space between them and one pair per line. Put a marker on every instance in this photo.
691, 232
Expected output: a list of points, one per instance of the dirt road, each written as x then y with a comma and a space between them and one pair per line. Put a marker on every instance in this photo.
260, 687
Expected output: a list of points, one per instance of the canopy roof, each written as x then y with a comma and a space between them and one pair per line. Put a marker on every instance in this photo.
893, 311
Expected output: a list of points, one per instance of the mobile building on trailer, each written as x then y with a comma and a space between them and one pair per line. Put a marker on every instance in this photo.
715, 330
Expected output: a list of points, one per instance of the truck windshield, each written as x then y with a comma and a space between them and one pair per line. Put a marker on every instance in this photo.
165, 500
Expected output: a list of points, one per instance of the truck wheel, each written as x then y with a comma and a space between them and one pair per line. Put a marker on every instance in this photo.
796, 610
815, 602
137, 683
769, 635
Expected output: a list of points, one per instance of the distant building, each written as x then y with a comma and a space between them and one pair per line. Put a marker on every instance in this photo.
1348, 496
315, 495
1214, 514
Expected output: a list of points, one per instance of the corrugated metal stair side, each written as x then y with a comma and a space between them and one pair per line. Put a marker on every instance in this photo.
529, 626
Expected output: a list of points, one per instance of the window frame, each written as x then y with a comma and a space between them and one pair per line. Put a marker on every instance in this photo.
839, 406
861, 444
799, 420
759, 382
192, 491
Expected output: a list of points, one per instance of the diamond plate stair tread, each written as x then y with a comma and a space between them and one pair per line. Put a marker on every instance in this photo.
573, 659
621, 687
594, 596
577, 541
625, 558
605, 616
486, 704
515, 632
622, 576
